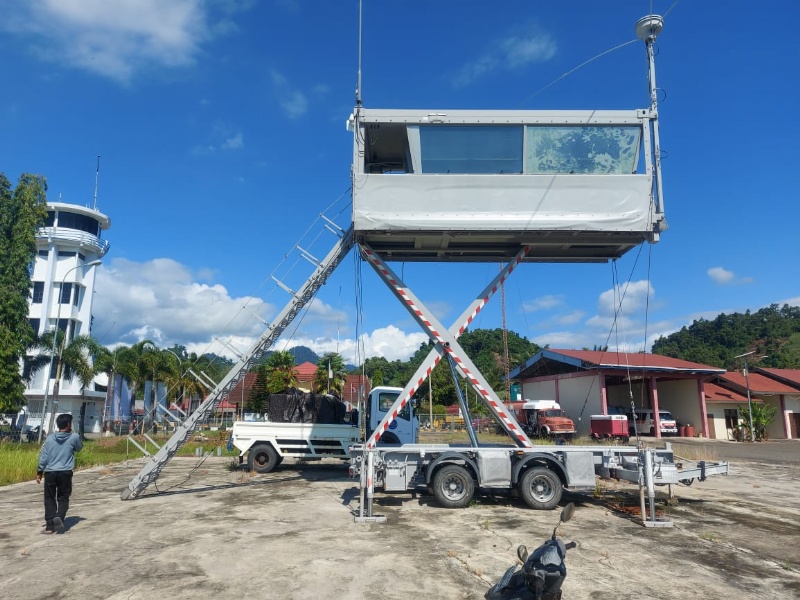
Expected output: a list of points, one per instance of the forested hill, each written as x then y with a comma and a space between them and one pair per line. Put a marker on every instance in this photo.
772, 331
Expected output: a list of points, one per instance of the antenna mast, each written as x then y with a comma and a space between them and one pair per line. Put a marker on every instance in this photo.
96, 181
358, 82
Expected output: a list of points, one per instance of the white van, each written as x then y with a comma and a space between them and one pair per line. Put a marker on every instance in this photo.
646, 425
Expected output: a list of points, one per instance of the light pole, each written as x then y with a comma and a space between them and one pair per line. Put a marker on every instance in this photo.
93, 263
183, 389
747, 385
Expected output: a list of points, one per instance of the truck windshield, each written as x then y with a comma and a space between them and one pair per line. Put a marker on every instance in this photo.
665, 416
554, 413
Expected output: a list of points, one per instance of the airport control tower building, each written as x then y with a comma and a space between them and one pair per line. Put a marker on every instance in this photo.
70, 246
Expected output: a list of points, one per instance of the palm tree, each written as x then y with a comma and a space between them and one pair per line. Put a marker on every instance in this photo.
72, 359
330, 375
281, 372
119, 362
154, 366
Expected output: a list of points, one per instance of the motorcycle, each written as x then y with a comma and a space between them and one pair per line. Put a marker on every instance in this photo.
542, 573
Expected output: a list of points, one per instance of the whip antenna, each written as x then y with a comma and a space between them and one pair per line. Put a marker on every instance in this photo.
358, 82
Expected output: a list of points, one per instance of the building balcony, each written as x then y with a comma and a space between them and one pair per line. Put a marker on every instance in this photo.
80, 239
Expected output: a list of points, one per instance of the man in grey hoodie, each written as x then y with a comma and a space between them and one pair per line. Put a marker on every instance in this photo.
56, 462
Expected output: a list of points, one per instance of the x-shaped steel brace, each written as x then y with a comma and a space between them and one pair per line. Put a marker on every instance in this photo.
445, 342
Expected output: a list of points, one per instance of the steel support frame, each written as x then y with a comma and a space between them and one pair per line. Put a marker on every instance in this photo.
445, 342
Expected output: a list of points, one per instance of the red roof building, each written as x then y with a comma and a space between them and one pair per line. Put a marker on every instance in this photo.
305, 375
587, 382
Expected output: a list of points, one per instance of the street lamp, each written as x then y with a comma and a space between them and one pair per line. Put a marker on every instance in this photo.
93, 263
747, 385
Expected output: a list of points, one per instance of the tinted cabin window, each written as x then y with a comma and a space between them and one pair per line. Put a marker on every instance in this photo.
471, 149
80, 222
577, 149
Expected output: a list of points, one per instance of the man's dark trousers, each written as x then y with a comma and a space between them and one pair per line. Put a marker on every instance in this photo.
57, 490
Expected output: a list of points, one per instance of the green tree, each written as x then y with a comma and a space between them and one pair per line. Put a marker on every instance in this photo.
22, 211
763, 415
331, 374
119, 362
281, 372
71, 359
259, 394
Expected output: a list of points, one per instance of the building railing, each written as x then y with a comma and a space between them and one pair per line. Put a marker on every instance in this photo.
81, 238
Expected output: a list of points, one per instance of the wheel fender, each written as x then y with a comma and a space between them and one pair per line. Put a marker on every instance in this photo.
539, 459
268, 443
450, 458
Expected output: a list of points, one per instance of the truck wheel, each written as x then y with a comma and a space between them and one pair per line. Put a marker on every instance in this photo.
262, 458
540, 488
453, 486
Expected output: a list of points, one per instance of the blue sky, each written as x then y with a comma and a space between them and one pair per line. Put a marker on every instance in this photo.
221, 130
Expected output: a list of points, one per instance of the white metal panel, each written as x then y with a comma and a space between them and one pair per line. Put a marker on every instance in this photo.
601, 203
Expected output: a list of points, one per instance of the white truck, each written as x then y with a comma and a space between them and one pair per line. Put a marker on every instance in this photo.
267, 443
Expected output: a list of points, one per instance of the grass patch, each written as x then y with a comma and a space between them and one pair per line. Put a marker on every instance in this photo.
18, 461
695, 452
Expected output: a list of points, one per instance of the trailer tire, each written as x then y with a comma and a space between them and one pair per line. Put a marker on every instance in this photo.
540, 488
453, 486
262, 458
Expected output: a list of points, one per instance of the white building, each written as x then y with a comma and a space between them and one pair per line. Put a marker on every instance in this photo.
63, 290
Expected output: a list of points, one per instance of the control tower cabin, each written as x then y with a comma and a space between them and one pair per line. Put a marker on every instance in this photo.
63, 289
475, 186
478, 185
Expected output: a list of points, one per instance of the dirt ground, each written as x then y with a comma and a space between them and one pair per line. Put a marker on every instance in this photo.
216, 532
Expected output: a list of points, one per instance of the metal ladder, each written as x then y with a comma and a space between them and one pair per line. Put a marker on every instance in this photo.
155, 463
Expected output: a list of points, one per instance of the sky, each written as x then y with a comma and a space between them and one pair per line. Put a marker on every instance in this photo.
220, 126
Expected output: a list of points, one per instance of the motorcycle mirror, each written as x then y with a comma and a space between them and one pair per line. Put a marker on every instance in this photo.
522, 553
567, 512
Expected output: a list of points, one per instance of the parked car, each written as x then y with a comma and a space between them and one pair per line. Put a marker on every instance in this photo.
646, 425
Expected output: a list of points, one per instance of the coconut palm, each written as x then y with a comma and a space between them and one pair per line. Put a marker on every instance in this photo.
154, 366
281, 371
119, 362
73, 359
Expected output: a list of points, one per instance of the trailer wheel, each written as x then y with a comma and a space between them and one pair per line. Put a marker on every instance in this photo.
262, 458
453, 486
540, 488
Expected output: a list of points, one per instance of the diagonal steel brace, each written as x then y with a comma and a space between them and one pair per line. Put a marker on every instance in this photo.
445, 342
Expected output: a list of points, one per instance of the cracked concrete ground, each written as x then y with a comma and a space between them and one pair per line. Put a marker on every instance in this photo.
290, 534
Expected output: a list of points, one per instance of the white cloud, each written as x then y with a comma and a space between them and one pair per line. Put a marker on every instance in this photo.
121, 38
293, 102
389, 342
629, 298
234, 143
515, 51
724, 277
790, 301
542, 303
163, 301
720, 275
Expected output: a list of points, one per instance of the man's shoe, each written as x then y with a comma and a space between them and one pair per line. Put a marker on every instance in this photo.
47, 531
58, 525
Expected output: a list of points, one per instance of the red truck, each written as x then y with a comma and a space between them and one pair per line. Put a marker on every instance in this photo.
543, 418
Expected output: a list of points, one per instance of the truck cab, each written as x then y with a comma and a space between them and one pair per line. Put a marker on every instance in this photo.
545, 418
403, 429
